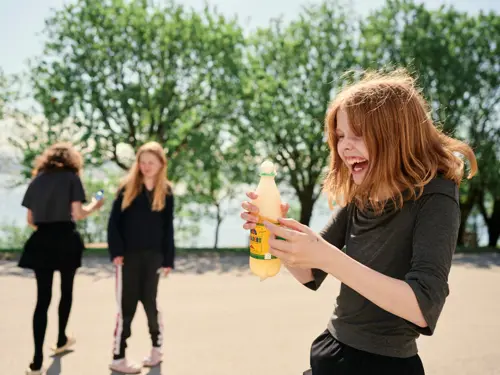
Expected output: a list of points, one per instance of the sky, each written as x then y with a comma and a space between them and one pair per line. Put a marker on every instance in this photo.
22, 20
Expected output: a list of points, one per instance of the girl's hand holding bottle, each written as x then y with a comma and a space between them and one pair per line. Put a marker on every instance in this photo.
98, 200
251, 215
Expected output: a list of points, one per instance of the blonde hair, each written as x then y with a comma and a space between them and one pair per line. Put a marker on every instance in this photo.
390, 113
133, 181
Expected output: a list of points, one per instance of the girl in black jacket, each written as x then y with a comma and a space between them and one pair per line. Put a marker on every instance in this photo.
141, 245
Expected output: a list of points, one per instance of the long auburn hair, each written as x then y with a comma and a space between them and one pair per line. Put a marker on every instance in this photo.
133, 181
390, 113
61, 155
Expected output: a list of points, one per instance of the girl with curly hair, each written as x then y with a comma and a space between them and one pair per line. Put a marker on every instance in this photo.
54, 200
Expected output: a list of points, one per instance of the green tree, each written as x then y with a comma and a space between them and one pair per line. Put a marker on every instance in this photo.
132, 71
119, 72
455, 56
218, 176
489, 189
32, 134
293, 70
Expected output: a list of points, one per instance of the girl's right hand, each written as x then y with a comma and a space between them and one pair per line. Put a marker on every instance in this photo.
118, 261
97, 204
252, 211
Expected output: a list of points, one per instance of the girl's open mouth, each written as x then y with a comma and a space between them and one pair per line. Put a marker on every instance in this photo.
359, 167
357, 164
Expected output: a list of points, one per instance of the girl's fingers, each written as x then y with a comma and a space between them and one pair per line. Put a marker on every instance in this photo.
284, 256
252, 195
250, 207
295, 225
249, 217
248, 226
284, 209
282, 232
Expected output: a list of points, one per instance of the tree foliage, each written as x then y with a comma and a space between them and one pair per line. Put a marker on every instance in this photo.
293, 70
131, 71
455, 56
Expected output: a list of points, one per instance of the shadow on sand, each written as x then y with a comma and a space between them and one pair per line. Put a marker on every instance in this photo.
55, 367
152, 371
484, 260
101, 268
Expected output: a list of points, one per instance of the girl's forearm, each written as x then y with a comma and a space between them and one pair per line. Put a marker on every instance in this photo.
302, 275
390, 294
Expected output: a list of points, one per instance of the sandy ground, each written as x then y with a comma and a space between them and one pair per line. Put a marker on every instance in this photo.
220, 320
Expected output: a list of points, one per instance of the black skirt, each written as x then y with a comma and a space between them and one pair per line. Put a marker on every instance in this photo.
331, 357
55, 246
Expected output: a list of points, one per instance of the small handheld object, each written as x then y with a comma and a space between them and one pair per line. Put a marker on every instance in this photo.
99, 195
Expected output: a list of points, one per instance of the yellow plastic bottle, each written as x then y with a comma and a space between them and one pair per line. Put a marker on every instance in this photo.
261, 262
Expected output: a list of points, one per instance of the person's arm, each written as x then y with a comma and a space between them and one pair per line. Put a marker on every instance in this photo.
390, 294
29, 219
80, 212
28, 203
114, 235
77, 197
419, 298
303, 276
169, 238
334, 233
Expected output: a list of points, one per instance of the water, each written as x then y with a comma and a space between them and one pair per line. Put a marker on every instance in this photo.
231, 233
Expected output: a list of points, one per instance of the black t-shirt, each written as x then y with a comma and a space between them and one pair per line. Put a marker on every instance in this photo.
50, 194
414, 244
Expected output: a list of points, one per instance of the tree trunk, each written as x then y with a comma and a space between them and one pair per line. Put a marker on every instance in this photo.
494, 225
217, 226
465, 210
307, 201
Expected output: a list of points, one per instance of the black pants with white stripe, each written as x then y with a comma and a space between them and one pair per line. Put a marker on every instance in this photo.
137, 280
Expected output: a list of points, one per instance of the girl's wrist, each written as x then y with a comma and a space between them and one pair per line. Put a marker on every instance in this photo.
332, 257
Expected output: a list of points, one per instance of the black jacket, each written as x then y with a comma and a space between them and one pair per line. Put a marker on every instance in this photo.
139, 228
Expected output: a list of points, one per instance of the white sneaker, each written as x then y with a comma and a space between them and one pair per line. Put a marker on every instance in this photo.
125, 367
69, 343
34, 372
154, 359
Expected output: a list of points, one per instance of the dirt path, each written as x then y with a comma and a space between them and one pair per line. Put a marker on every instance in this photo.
220, 320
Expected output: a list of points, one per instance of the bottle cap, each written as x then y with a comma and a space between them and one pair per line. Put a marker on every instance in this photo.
267, 169
99, 195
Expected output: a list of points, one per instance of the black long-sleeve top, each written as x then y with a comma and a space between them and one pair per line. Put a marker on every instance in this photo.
139, 228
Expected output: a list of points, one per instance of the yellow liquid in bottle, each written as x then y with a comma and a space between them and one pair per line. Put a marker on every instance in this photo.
261, 262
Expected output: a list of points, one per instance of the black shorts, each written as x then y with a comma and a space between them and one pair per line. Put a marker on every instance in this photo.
54, 246
331, 357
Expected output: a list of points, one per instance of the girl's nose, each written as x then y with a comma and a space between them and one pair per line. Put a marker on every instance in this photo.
347, 144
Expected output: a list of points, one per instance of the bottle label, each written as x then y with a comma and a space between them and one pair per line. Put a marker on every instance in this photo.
259, 240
